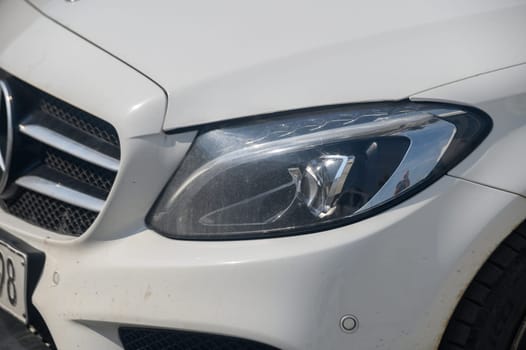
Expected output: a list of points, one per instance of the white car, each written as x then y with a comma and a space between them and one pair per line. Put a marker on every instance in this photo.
241, 175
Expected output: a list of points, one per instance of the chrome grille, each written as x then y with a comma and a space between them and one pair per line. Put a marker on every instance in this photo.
65, 161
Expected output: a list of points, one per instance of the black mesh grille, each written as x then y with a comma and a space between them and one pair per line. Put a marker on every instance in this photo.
80, 170
48, 165
150, 339
51, 214
79, 119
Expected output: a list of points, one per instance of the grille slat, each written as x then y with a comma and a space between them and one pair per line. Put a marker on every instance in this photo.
71, 132
66, 161
59, 192
68, 145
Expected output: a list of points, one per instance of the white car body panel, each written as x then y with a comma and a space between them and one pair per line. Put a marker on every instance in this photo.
502, 95
401, 272
221, 60
288, 292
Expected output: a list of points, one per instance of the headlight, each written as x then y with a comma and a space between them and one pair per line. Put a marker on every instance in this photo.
311, 170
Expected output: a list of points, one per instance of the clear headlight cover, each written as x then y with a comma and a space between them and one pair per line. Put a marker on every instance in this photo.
307, 171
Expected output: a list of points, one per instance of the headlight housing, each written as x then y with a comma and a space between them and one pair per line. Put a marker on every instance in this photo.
306, 171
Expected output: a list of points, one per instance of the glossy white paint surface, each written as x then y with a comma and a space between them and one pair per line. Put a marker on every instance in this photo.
401, 272
499, 160
235, 58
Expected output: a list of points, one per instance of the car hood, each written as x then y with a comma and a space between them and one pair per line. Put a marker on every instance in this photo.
225, 59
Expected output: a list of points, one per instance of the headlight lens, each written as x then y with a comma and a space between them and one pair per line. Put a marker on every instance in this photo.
311, 170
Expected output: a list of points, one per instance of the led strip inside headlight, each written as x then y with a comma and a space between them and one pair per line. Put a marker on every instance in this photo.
311, 170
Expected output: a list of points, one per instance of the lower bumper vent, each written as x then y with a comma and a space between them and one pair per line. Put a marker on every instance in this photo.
152, 339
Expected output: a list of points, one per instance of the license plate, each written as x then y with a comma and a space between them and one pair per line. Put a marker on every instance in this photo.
13, 281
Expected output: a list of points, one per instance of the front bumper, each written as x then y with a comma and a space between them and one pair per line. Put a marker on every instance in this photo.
399, 273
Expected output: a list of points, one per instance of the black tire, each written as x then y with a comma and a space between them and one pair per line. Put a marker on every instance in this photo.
492, 312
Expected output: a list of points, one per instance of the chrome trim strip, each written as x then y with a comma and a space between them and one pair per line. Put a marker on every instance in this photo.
450, 114
420, 159
65, 144
6, 110
445, 112
58, 191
